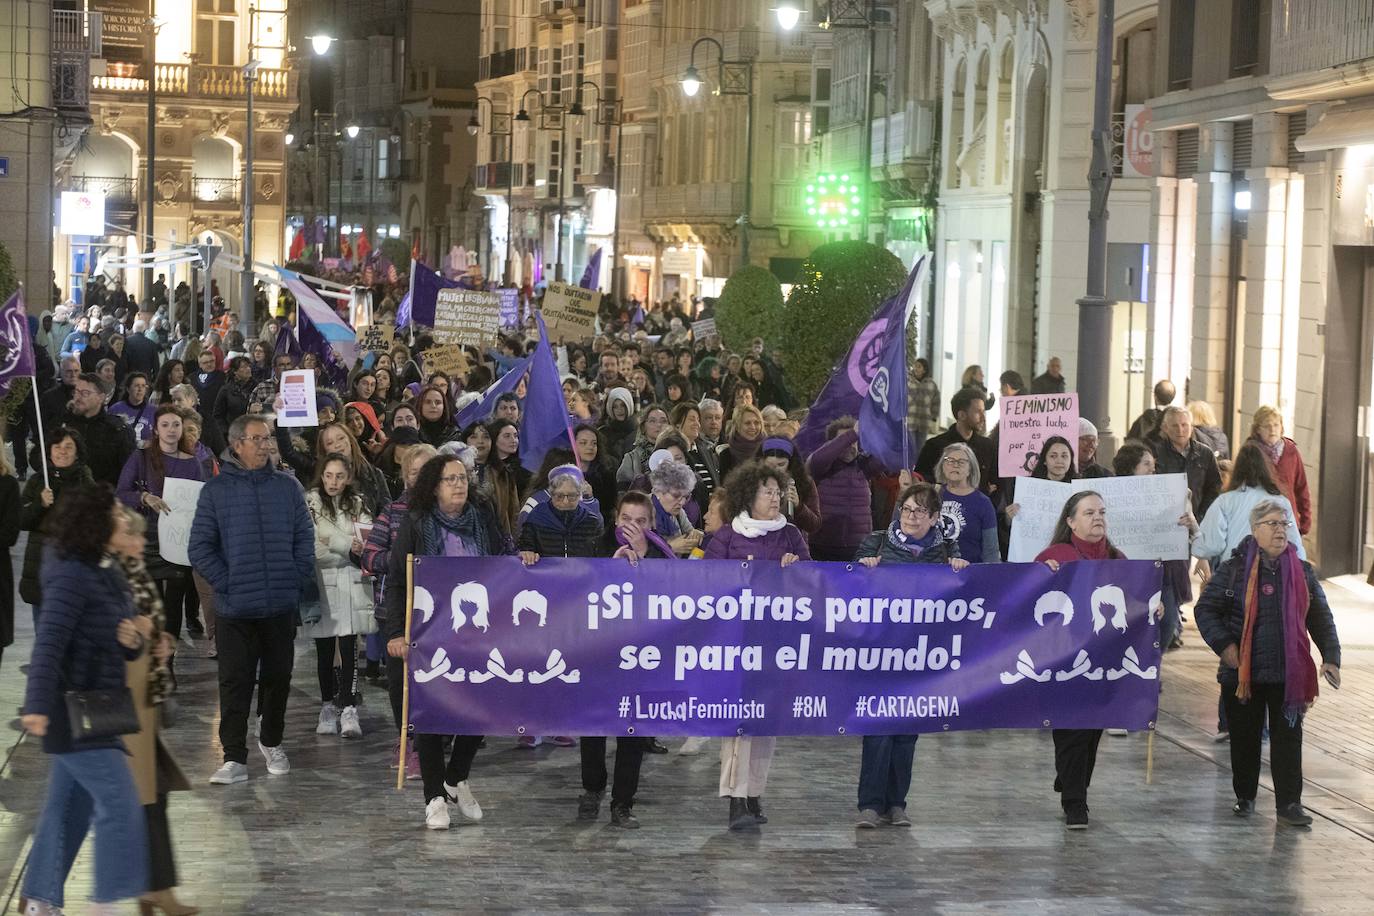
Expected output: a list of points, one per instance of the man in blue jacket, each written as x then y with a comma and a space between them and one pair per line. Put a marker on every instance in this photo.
254, 542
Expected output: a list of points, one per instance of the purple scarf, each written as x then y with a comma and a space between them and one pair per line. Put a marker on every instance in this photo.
1299, 671
653, 537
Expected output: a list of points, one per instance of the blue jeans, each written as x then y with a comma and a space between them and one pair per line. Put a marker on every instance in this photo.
90, 789
885, 771
376, 647
1172, 624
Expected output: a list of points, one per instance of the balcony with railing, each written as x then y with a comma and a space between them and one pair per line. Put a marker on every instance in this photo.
722, 200
198, 81
75, 40
505, 63
1309, 35
215, 190
120, 193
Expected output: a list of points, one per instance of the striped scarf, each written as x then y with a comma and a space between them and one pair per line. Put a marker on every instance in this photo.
1299, 671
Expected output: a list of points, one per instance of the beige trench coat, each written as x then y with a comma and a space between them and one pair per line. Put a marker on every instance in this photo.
147, 753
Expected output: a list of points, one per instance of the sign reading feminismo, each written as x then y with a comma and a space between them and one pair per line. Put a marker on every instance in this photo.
679, 647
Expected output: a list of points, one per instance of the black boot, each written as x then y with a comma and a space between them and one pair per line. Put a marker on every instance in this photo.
756, 809
740, 818
589, 806
623, 817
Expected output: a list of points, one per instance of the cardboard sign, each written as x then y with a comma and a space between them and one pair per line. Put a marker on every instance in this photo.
450, 359
1027, 421
174, 528
376, 337
297, 397
466, 316
1142, 515
704, 328
570, 311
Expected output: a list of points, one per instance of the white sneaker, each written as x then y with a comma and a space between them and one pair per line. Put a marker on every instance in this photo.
436, 814
329, 720
1117, 732
277, 764
349, 726
229, 774
692, 746
461, 795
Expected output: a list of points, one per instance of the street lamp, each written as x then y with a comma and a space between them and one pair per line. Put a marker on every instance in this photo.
289, 139
320, 43
733, 77
352, 131
788, 14
610, 113
547, 115
500, 126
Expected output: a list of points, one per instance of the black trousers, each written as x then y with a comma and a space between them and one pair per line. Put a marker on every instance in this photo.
1285, 744
342, 687
1075, 754
395, 685
629, 755
434, 772
174, 598
253, 651
162, 868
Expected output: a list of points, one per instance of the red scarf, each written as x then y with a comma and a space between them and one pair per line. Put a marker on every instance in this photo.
1299, 671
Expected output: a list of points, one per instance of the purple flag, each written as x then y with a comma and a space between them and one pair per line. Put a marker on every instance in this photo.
544, 420
844, 393
16, 344
418, 305
287, 345
720, 647
882, 414
637, 319
482, 408
592, 275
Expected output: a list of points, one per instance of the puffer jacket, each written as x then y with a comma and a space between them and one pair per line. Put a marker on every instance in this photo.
550, 532
31, 515
109, 443
377, 548
846, 497
879, 545
344, 606
76, 648
253, 541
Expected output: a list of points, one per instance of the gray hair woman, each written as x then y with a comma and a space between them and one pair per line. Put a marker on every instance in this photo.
967, 515
1257, 613
672, 484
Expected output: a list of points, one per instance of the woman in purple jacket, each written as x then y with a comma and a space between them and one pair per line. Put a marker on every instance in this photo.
757, 531
841, 474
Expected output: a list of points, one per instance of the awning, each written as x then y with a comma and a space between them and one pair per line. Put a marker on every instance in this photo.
1339, 127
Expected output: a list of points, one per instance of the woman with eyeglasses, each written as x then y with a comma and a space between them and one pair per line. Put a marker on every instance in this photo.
966, 513
448, 517
915, 536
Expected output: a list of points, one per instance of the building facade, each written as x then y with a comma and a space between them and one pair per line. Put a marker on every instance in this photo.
1263, 229
1018, 80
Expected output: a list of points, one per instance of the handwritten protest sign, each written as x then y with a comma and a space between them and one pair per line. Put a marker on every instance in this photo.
375, 337
509, 312
450, 359
1142, 515
466, 316
1027, 421
174, 528
297, 399
704, 328
570, 311
719, 647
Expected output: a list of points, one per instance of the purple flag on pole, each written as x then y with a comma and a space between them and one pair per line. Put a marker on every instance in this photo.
482, 408
287, 345
544, 424
16, 345
418, 305
592, 275
844, 393
720, 647
882, 414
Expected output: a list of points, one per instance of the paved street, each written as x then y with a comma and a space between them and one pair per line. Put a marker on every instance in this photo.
335, 837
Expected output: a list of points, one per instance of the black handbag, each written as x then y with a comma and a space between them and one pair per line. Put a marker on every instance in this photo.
97, 714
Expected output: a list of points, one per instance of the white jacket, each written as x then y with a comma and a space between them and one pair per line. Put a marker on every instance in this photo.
1227, 523
345, 604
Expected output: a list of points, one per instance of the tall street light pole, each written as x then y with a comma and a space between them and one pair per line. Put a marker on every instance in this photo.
610, 113
545, 113
500, 126
150, 144
247, 313
733, 77
1094, 312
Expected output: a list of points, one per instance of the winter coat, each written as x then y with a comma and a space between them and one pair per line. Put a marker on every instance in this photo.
31, 516
9, 534
729, 544
76, 648
377, 548
231, 403
1198, 462
923, 405
1214, 438
1220, 616
846, 497
141, 354
1291, 476
1227, 523
877, 544
344, 605
109, 443
550, 532
253, 541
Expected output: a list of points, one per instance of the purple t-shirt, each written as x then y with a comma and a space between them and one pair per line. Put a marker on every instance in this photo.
964, 519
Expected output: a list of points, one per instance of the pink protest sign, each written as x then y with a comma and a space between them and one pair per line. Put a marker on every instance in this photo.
1027, 421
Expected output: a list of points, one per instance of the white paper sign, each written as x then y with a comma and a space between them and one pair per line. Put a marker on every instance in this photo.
1142, 515
174, 528
297, 399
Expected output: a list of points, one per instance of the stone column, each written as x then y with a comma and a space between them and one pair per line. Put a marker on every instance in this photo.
1265, 263
1212, 264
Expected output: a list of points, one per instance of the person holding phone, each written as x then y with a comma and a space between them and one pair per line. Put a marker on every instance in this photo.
1257, 614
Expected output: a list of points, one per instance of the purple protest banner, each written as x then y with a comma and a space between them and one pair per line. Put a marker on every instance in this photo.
597, 647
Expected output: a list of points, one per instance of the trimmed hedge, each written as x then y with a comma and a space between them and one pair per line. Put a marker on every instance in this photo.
750, 306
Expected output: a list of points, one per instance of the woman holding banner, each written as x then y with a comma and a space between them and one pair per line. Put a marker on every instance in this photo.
916, 536
1080, 534
757, 531
446, 517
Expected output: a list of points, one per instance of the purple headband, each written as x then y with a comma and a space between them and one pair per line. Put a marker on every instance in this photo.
571, 470
779, 445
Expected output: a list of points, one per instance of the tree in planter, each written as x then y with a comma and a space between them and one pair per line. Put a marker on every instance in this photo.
750, 306
9, 282
842, 284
